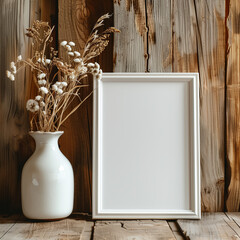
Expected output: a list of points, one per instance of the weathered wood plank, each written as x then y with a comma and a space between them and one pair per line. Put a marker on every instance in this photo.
176, 230
199, 45
132, 230
211, 40
211, 226
184, 36
64, 229
16, 16
233, 108
6, 223
235, 221
130, 46
76, 19
159, 25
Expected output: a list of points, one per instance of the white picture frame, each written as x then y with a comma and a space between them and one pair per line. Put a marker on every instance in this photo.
146, 162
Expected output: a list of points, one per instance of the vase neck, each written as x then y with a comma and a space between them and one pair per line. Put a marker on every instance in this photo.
46, 139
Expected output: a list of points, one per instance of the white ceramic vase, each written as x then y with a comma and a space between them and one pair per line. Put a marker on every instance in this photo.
47, 186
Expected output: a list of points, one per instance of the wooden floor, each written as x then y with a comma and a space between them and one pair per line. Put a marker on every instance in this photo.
81, 227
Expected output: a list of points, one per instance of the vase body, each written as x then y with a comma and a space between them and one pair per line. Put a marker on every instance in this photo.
47, 185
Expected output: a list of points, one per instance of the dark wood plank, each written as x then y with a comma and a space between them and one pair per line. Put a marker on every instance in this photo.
76, 19
144, 229
14, 147
233, 108
211, 226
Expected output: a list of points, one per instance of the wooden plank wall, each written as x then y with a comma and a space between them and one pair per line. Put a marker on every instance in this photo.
156, 36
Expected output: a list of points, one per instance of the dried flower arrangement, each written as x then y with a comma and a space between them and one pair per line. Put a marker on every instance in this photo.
59, 82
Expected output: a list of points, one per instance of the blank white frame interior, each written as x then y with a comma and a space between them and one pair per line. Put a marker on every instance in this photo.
146, 146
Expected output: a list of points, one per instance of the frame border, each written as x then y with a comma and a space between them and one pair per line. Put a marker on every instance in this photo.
195, 213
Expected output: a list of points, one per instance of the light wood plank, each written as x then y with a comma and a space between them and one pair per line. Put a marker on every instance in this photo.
6, 223
176, 230
64, 229
211, 226
199, 45
146, 229
235, 217
159, 25
130, 46
233, 108
211, 40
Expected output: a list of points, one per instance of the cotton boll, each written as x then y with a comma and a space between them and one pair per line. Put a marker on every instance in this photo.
19, 58
41, 75
59, 91
12, 64
54, 87
32, 105
48, 61
77, 54
12, 77
90, 65
64, 84
8, 73
77, 60
71, 54
68, 48
38, 98
14, 69
63, 43
42, 82
44, 90
72, 44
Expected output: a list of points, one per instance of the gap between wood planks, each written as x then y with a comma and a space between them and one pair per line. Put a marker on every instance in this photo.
81, 226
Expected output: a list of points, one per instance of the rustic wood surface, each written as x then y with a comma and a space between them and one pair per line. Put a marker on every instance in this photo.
182, 37
233, 109
157, 36
142, 229
235, 217
211, 226
130, 19
64, 229
176, 230
216, 226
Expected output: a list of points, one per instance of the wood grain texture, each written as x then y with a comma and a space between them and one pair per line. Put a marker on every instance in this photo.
182, 36
64, 229
211, 226
233, 108
157, 36
138, 230
76, 19
176, 230
211, 60
199, 45
130, 46
235, 217
159, 25
15, 17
